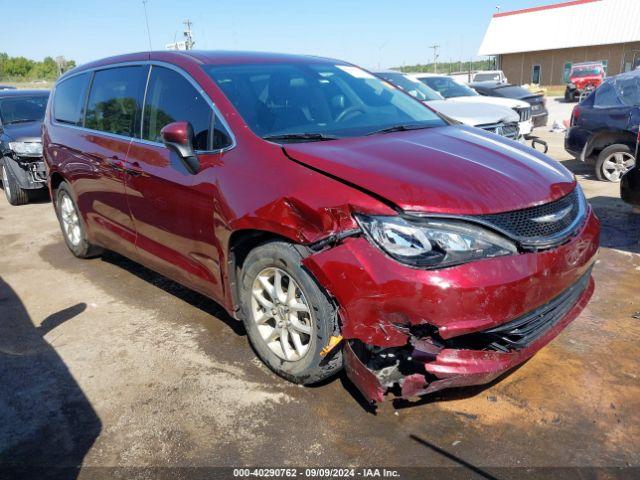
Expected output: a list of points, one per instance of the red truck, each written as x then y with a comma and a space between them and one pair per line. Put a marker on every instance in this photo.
583, 78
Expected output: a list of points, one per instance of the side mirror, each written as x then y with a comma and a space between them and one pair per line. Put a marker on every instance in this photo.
179, 137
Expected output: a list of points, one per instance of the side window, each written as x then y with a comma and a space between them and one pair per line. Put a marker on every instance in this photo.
607, 96
69, 98
115, 99
172, 98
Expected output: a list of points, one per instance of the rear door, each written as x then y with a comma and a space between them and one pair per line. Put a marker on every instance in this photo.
113, 110
172, 208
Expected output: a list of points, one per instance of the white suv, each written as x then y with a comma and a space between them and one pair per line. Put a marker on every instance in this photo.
456, 92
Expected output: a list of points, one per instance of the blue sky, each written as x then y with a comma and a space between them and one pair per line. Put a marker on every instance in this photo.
385, 32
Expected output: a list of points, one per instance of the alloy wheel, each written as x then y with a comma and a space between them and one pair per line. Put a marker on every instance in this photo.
70, 220
616, 165
282, 314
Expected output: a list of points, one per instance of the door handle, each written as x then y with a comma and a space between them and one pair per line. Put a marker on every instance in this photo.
115, 163
134, 169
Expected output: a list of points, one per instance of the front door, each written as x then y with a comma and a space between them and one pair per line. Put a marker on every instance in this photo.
172, 208
112, 113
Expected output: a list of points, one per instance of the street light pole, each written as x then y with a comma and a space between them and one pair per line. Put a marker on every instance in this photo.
435, 57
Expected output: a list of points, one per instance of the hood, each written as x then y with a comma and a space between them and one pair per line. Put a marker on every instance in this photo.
24, 132
474, 113
453, 169
501, 101
588, 80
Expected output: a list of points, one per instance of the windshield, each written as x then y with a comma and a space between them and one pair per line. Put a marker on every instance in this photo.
448, 87
318, 100
586, 71
22, 109
412, 87
486, 77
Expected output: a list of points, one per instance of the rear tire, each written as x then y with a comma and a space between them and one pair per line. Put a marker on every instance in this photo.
277, 324
613, 162
15, 195
72, 225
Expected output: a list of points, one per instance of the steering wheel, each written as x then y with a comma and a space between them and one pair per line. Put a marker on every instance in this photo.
349, 111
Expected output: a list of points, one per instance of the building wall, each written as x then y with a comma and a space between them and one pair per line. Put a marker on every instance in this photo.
518, 67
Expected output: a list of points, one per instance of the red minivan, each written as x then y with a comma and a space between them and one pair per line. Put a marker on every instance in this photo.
343, 222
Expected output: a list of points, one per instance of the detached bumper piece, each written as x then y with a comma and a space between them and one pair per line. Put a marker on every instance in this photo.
429, 363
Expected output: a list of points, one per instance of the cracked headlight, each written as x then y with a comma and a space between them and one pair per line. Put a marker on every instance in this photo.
27, 149
433, 242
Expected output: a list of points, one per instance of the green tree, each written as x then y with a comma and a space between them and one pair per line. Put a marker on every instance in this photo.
21, 68
18, 66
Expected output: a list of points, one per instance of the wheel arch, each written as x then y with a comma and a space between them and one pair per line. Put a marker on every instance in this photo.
602, 140
241, 242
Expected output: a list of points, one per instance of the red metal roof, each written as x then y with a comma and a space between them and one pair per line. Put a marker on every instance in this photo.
544, 7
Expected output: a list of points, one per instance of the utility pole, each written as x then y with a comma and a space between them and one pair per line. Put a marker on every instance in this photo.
380, 47
435, 57
146, 19
188, 37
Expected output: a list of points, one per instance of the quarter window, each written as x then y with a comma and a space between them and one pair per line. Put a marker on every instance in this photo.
172, 98
114, 101
69, 99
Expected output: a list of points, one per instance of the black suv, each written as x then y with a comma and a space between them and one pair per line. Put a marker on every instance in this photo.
539, 113
23, 170
604, 126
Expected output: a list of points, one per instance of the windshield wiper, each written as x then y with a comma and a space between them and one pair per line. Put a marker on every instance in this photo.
399, 128
316, 137
24, 120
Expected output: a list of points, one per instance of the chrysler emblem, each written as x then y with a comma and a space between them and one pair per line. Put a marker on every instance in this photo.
553, 217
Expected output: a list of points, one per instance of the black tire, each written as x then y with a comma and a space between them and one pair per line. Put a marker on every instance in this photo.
311, 368
568, 97
15, 195
83, 248
606, 153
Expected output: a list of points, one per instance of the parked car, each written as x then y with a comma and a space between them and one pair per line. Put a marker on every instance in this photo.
7, 87
583, 79
489, 76
604, 127
23, 170
539, 112
341, 220
493, 118
457, 92
630, 188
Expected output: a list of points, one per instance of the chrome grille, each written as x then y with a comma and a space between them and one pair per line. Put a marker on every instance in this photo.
509, 130
524, 113
543, 225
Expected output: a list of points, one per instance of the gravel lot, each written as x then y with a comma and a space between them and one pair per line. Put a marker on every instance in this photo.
106, 364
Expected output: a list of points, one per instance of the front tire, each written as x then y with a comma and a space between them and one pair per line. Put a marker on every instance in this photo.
613, 162
288, 317
15, 195
72, 225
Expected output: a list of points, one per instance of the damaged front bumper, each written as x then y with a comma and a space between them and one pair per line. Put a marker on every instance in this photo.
29, 172
411, 332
